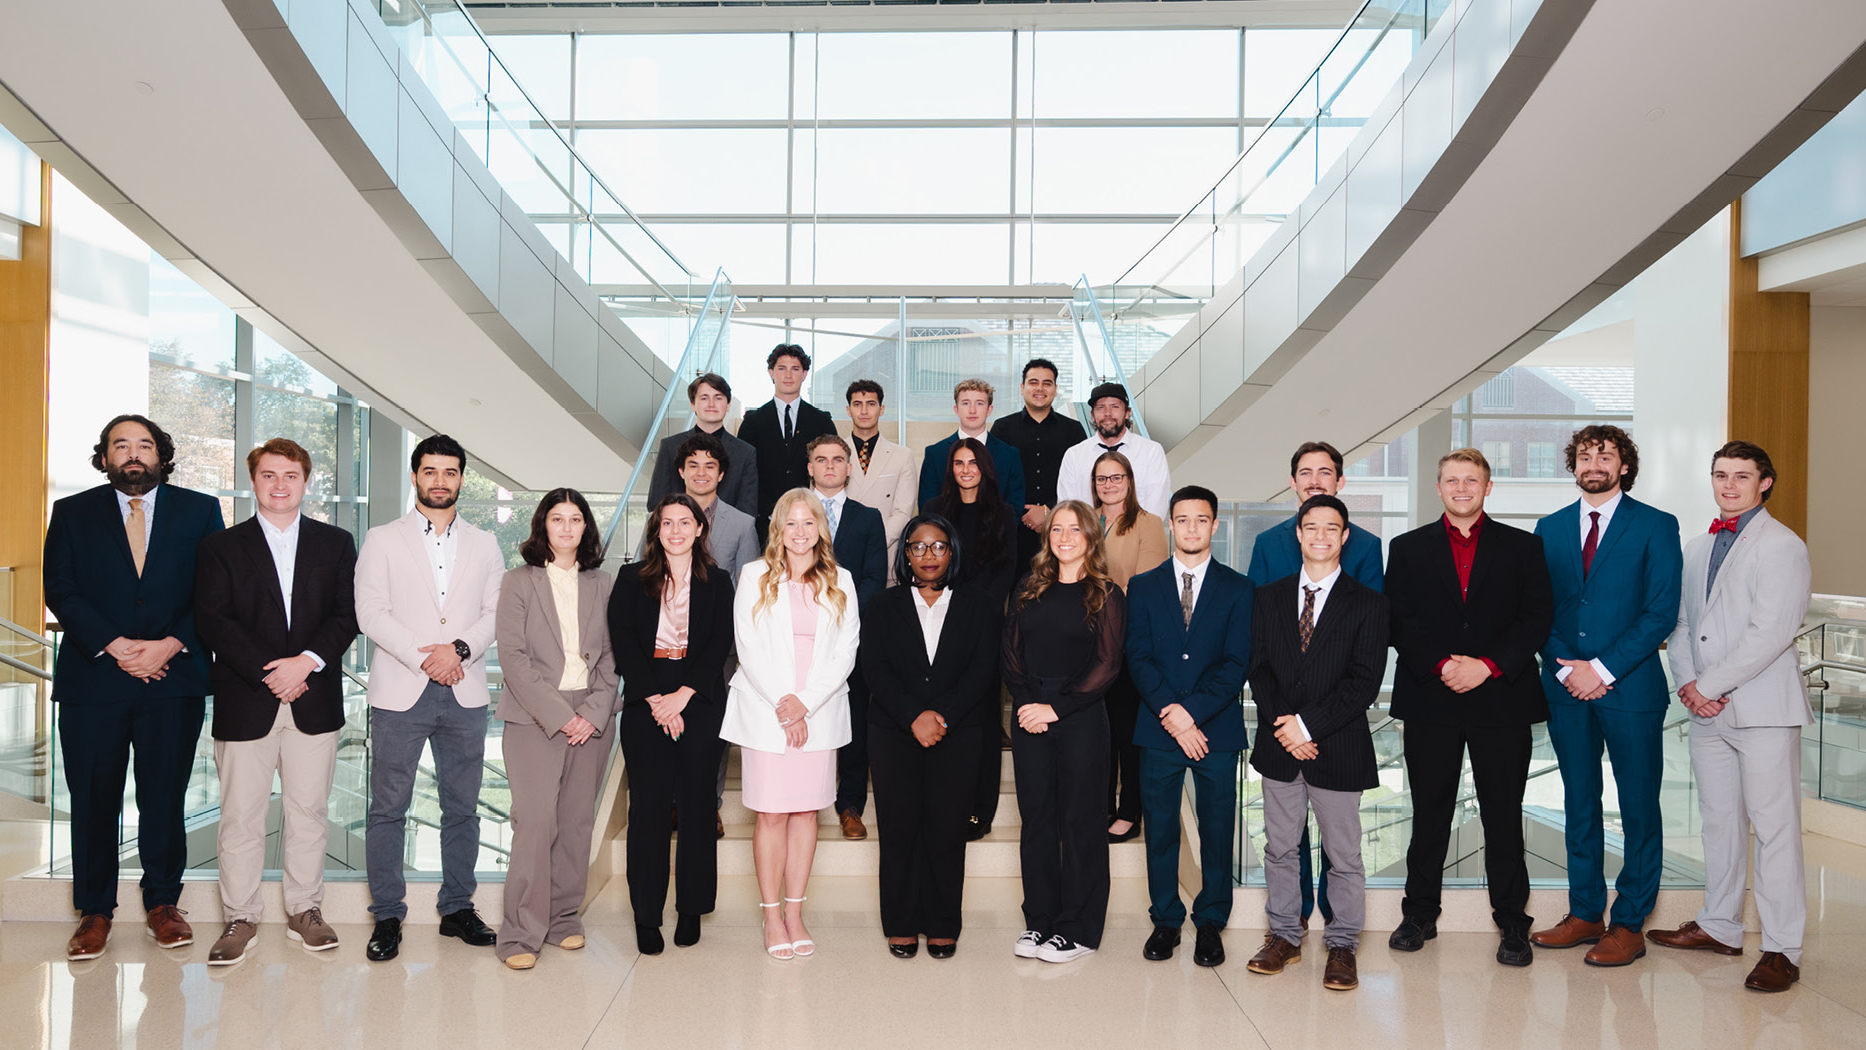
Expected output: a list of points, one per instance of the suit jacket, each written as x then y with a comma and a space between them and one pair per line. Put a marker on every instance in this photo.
1005, 458
861, 547
633, 619
960, 679
888, 486
92, 588
768, 668
740, 485
781, 463
239, 611
1506, 618
1622, 612
1141, 548
1739, 642
531, 650
1277, 553
1199, 667
398, 608
733, 539
1330, 686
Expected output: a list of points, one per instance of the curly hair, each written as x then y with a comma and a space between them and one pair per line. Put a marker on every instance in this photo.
165, 445
1044, 566
821, 576
1601, 435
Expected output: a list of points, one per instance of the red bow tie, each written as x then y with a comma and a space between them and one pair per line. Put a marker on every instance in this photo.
1722, 525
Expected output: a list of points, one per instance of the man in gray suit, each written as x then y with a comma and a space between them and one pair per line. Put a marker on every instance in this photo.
702, 466
710, 397
1746, 591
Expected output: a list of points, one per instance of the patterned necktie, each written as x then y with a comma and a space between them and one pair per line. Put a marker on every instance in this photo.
1185, 599
135, 527
1305, 627
830, 505
863, 450
1593, 542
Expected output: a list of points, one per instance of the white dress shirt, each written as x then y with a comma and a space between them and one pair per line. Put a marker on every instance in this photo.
1587, 522
833, 508
443, 548
1322, 588
1152, 480
149, 501
787, 410
932, 618
1181, 569
283, 543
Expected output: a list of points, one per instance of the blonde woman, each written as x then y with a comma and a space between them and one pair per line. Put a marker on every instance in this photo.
794, 618
1133, 541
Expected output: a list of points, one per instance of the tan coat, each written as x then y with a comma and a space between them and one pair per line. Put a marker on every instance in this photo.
1142, 547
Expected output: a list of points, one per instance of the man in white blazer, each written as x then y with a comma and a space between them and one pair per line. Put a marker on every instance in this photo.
883, 475
427, 595
1746, 591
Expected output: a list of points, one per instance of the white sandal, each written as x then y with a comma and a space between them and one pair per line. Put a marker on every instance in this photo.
799, 946
787, 948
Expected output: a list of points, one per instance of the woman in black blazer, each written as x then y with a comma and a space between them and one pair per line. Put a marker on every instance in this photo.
929, 654
670, 624
982, 522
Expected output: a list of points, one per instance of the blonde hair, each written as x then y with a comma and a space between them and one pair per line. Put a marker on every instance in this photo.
1475, 457
973, 386
1044, 566
821, 577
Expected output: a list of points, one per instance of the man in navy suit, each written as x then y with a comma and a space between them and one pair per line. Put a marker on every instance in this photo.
860, 539
1188, 648
1315, 470
1615, 565
119, 576
971, 402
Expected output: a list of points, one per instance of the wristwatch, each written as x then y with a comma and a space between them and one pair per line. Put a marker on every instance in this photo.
465, 653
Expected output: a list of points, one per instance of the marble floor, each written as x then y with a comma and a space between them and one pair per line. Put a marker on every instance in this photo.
726, 993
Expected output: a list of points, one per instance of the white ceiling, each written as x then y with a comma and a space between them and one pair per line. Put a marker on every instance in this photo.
684, 16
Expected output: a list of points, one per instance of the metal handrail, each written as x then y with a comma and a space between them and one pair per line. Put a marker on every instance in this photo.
25, 632
21, 665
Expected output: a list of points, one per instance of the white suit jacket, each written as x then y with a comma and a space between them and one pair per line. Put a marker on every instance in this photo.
1740, 641
890, 486
768, 668
398, 608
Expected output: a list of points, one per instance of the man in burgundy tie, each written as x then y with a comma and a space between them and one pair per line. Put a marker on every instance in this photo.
1614, 564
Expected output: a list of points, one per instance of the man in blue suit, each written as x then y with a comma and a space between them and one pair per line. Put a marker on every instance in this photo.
860, 540
1315, 470
971, 402
1616, 565
119, 575
1188, 650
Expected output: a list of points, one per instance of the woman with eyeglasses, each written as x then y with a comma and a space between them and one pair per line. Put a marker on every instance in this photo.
930, 655
1133, 541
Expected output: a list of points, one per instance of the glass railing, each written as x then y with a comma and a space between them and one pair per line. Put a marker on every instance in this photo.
1211, 242
1100, 363
1833, 749
25, 689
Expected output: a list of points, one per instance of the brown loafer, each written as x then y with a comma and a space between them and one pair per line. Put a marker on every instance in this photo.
88, 942
1275, 954
1618, 947
1773, 973
1339, 975
852, 826
1567, 933
1691, 937
166, 925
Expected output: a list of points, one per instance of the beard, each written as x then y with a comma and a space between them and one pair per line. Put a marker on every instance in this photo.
133, 478
443, 503
1111, 430
1596, 485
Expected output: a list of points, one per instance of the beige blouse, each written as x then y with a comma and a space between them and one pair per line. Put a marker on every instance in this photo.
676, 604
564, 596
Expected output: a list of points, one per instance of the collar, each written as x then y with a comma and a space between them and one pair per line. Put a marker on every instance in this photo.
776, 400
551, 568
148, 498
1477, 528
266, 528
1606, 509
1180, 568
826, 498
1326, 583
1743, 519
420, 522
979, 437
1111, 444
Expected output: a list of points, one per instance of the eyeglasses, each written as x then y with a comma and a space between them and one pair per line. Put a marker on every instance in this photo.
1109, 479
923, 548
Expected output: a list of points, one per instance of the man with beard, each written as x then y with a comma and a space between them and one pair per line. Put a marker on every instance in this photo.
1108, 410
1615, 565
131, 674
427, 593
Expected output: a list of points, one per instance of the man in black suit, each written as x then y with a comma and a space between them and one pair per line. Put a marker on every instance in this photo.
119, 576
275, 600
1471, 606
860, 539
780, 430
1318, 650
710, 397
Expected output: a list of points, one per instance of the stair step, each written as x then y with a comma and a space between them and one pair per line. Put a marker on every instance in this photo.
994, 856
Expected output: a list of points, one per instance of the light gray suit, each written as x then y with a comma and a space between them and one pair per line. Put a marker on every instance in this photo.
888, 485
1738, 643
734, 539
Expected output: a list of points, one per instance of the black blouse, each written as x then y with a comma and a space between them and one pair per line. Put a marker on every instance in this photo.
1053, 656
988, 563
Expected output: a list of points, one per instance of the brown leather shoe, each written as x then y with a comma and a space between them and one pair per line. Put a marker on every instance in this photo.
1339, 975
88, 942
1275, 954
1773, 973
1618, 947
165, 923
1691, 937
852, 827
1567, 933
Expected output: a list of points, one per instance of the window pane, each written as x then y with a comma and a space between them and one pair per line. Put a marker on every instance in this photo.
1276, 62
1062, 252
1146, 73
1127, 170
914, 75
751, 254
540, 62
690, 170
908, 254
913, 171
306, 420
278, 366
185, 322
710, 76
197, 411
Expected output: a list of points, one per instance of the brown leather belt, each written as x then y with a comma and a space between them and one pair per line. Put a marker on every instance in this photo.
671, 654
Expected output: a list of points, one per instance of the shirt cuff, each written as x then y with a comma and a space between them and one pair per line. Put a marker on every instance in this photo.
1606, 676
314, 658
1561, 675
1441, 665
1303, 728
1495, 671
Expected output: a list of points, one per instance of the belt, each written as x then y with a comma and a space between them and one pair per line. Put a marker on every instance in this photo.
671, 654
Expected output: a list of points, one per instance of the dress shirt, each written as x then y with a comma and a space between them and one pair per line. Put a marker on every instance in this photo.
1322, 588
1463, 556
932, 618
832, 508
1180, 569
1152, 480
708, 511
564, 596
283, 543
865, 448
1587, 522
149, 501
1721, 544
787, 414
443, 548
1042, 445
676, 617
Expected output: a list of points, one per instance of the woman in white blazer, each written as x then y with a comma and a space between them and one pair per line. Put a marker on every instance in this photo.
795, 621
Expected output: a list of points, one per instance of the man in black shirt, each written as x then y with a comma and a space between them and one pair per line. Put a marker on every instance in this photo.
1042, 435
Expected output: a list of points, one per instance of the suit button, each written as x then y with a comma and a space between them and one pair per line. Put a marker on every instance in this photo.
1584, 601
139, 601
1703, 637
1182, 656
443, 619
1584, 634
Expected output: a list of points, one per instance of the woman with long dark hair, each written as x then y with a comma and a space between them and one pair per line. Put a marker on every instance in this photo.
970, 500
1133, 541
1063, 640
671, 626
559, 697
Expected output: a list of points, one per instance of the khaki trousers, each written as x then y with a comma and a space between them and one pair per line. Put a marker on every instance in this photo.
305, 765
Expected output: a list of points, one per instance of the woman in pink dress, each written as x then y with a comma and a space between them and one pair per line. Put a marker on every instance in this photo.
795, 621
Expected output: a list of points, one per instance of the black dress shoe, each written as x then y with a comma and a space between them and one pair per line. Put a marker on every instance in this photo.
1209, 948
466, 925
941, 951
1132, 831
687, 931
906, 951
1160, 943
1514, 949
386, 941
1412, 934
648, 939
975, 830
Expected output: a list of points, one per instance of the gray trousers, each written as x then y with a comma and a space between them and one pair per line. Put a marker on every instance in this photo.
1286, 806
554, 790
458, 737
1751, 777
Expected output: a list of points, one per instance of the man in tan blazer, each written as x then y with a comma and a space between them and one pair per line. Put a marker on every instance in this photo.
883, 475
427, 595
1746, 590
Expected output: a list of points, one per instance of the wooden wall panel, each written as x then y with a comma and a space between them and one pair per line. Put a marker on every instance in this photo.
25, 329
1769, 379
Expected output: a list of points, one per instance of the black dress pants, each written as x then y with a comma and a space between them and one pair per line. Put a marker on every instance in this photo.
989, 780
1499, 769
661, 771
1123, 756
922, 799
1062, 781
852, 757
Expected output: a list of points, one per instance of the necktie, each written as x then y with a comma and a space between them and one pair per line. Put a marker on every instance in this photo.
1593, 541
1717, 524
1185, 599
830, 505
1305, 627
134, 527
789, 428
864, 449
1112, 448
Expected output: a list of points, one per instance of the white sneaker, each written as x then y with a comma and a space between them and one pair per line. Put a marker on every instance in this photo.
1060, 949
1027, 945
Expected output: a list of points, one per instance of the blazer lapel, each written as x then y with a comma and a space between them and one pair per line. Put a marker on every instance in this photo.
547, 599
1623, 519
412, 534
589, 618
1569, 541
119, 528
1331, 612
260, 552
1739, 551
1481, 558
